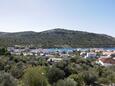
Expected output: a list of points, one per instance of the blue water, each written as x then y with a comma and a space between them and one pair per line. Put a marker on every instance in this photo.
71, 49
61, 49
109, 48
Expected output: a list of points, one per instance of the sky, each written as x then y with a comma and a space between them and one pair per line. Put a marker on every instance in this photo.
96, 16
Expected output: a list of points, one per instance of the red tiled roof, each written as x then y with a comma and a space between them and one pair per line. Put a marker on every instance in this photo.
107, 60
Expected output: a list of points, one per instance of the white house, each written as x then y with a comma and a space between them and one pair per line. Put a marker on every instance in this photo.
27, 53
91, 55
64, 55
55, 59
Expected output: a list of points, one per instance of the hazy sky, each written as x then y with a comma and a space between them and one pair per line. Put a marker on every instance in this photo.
38, 15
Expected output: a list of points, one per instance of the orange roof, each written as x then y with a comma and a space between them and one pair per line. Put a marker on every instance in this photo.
107, 60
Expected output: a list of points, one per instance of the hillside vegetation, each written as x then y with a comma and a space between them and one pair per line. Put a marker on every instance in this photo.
57, 38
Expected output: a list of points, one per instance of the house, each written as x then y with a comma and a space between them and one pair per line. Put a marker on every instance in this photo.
15, 53
64, 55
54, 59
83, 54
91, 55
106, 61
10, 49
27, 53
108, 53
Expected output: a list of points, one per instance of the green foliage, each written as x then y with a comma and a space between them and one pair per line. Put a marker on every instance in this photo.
42, 62
108, 77
2, 64
32, 71
78, 78
57, 38
54, 74
84, 78
17, 70
7, 80
66, 82
35, 76
89, 77
3, 51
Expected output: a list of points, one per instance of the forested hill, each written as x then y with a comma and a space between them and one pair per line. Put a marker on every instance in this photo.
57, 38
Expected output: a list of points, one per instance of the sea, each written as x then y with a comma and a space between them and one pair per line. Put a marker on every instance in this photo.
73, 49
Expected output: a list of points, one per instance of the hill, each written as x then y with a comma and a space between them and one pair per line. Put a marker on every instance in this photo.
57, 38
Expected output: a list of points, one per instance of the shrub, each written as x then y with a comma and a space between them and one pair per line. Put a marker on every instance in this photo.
35, 76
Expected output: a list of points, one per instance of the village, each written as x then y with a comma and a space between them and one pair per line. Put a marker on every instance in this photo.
102, 57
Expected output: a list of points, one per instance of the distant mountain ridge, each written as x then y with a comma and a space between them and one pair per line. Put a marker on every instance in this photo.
56, 38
